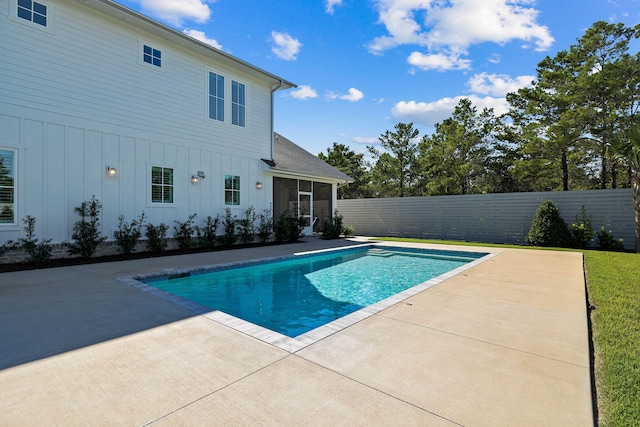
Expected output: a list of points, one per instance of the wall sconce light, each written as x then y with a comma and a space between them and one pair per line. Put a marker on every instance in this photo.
197, 177
111, 171
258, 185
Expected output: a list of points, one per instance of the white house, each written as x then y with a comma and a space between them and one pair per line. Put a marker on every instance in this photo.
97, 99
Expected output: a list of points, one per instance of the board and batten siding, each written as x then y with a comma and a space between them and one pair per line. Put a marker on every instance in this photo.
492, 218
77, 97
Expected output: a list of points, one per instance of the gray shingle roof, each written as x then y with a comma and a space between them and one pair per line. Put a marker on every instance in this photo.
291, 158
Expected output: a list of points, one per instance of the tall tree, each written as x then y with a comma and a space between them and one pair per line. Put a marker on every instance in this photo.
354, 165
395, 166
455, 159
608, 80
549, 115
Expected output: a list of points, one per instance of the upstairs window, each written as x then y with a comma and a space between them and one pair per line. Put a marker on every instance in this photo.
7, 186
237, 104
32, 11
216, 97
231, 190
151, 56
161, 185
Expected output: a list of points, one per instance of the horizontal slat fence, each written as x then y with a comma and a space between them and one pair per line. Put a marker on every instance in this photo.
491, 218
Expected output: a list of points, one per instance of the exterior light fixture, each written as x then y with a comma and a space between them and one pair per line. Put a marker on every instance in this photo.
201, 174
258, 185
111, 171
195, 179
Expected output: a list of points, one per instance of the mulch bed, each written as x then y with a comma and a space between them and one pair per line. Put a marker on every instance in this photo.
65, 262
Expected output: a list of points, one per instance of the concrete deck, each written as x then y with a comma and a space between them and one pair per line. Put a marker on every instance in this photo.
504, 343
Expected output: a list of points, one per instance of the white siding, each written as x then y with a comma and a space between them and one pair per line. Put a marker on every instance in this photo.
78, 98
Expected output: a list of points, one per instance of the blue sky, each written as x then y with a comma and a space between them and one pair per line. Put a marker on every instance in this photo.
362, 66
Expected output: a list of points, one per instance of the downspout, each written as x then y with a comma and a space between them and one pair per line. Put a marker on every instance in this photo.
273, 90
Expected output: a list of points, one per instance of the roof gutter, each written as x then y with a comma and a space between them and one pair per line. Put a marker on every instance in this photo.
273, 91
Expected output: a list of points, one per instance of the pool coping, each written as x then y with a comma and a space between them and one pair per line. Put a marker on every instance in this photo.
273, 338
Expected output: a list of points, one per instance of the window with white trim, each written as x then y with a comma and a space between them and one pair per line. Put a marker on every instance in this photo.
161, 185
32, 11
151, 56
231, 190
216, 97
7, 186
237, 103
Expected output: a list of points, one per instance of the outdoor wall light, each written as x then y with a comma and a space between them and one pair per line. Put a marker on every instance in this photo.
258, 185
111, 171
195, 179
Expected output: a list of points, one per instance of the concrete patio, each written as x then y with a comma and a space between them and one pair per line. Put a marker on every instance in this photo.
505, 343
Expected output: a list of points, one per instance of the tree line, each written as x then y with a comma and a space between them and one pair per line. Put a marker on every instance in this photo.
558, 134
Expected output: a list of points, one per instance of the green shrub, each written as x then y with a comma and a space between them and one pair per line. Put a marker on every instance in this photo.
184, 232
207, 234
40, 251
288, 228
86, 232
157, 238
348, 230
335, 228
265, 227
229, 224
247, 226
607, 242
581, 230
548, 228
128, 234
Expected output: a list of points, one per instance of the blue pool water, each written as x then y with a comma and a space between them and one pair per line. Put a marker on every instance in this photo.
297, 295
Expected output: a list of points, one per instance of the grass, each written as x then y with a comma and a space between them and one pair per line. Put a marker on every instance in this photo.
613, 285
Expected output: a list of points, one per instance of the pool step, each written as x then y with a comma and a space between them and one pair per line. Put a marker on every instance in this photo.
380, 253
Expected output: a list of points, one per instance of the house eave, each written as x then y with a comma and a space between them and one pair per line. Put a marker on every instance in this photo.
121, 12
274, 171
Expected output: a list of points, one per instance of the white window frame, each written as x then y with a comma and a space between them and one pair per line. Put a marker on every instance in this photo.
224, 100
153, 45
234, 191
150, 184
242, 105
14, 187
13, 15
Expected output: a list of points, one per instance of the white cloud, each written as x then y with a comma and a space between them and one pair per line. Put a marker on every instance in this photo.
430, 113
354, 95
497, 84
365, 140
495, 58
450, 27
438, 61
175, 12
285, 47
200, 35
331, 4
303, 92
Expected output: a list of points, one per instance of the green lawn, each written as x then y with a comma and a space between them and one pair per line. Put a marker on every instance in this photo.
613, 284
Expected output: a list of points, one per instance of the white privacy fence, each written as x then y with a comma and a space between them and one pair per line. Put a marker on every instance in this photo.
492, 218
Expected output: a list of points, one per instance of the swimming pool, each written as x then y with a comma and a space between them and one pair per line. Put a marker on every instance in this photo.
297, 295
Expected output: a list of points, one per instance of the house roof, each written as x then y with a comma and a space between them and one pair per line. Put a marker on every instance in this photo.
141, 21
291, 159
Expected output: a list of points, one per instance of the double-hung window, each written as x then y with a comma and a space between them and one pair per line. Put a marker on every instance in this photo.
32, 11
161, 185
237, 103
216, 97
231, 190
7, 186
